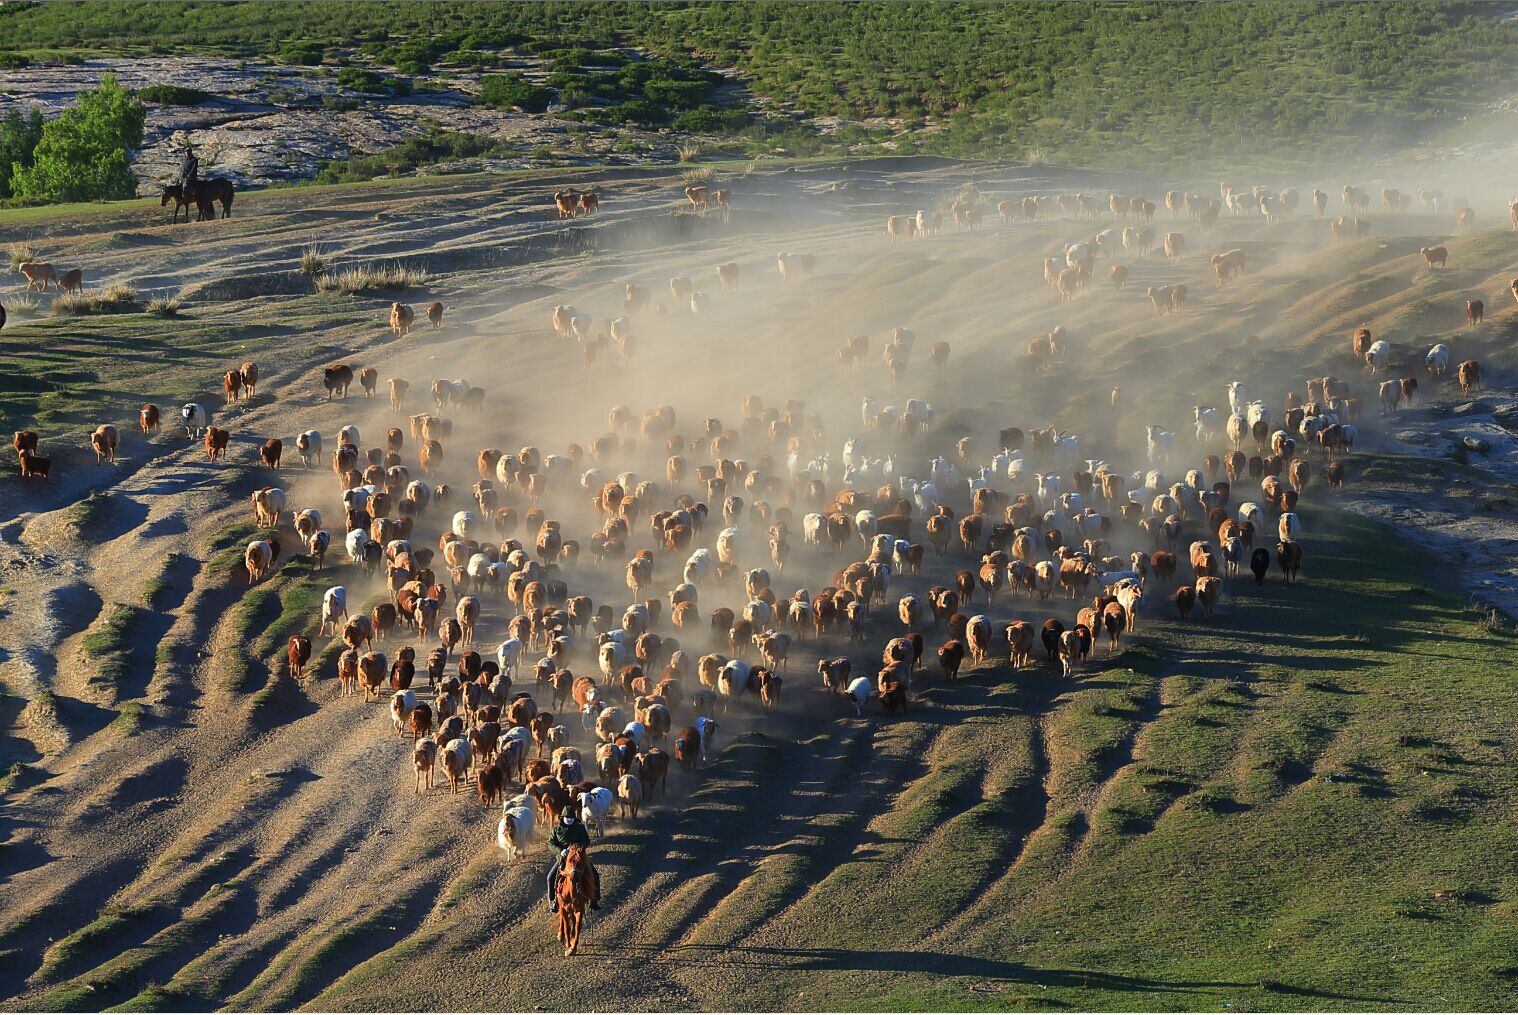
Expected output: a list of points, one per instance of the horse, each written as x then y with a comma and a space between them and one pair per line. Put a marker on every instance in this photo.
209, 191
181, 200
574, 892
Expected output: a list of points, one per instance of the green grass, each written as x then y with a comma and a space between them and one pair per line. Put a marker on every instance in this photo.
300, 612
111, 643
130, 719
1138, 84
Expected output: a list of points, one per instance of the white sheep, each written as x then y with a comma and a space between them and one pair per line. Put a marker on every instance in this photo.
334, 608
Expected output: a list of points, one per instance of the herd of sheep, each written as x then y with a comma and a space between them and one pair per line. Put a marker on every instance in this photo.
588, 705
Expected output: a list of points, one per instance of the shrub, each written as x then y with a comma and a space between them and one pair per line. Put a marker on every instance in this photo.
82, 155
360, 80
23, 306
709, 119
428, 149
20, 253
18, 141
12, 61
114, 299
363, 278
512, 91
162, 306
312, 261
172, 95
305, 54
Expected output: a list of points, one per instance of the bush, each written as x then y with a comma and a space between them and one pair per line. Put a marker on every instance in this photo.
312, 261
304, 54
512, 91
20, 253
364, 278
18, 142
172, 95
115, 299
163, 306
428, 149
12, 61
82, 155
710, 119
360, 80
23, 306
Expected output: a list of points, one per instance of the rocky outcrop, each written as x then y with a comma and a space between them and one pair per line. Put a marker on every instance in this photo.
268, 123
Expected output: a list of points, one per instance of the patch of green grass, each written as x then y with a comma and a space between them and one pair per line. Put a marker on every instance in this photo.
87, 513
130, 719
233, 672
111, 643
300, 611
113, 635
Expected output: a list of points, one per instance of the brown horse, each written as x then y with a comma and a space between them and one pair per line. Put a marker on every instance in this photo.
209, 192
181, 200
574, 893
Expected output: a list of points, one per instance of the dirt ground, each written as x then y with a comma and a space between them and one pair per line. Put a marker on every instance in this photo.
266, 850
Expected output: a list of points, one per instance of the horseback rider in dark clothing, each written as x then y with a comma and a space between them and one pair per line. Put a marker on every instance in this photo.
570, 832
189, 171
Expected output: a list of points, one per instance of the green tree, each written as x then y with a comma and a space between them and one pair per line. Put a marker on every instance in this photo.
18, 139
83, 154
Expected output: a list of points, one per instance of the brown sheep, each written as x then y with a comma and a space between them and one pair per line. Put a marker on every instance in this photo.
271, 451
231, 383
1475, 312
698, 197
1470, 376
300, 655
566, 203
337, 379
73, 281
249, 373
398, 388
401, 318
589, 202
104, 440
216, 442
34, 465
1434, 257
435, 314
368, 379
148, 418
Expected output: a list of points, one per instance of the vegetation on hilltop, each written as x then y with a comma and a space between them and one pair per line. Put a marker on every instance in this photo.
1109, 83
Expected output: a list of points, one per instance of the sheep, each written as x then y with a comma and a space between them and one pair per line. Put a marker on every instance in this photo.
858, 693
595, 808
1377, 355
1437, 360
630, 795
1228, 264
334, 609
514, 834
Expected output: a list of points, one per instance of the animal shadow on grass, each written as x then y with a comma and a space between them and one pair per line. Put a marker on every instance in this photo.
842, 959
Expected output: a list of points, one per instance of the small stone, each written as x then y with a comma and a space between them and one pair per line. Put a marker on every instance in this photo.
1476, 444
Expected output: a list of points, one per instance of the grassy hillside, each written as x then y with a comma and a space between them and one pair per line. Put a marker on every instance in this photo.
1302, 802
1150, 84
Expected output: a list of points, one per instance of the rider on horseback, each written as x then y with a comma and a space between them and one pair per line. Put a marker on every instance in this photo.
570, 832
189, 170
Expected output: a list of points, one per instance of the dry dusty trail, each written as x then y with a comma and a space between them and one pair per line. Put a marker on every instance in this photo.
248, 843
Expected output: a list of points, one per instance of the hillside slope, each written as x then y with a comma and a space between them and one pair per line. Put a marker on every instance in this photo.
1302, 802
